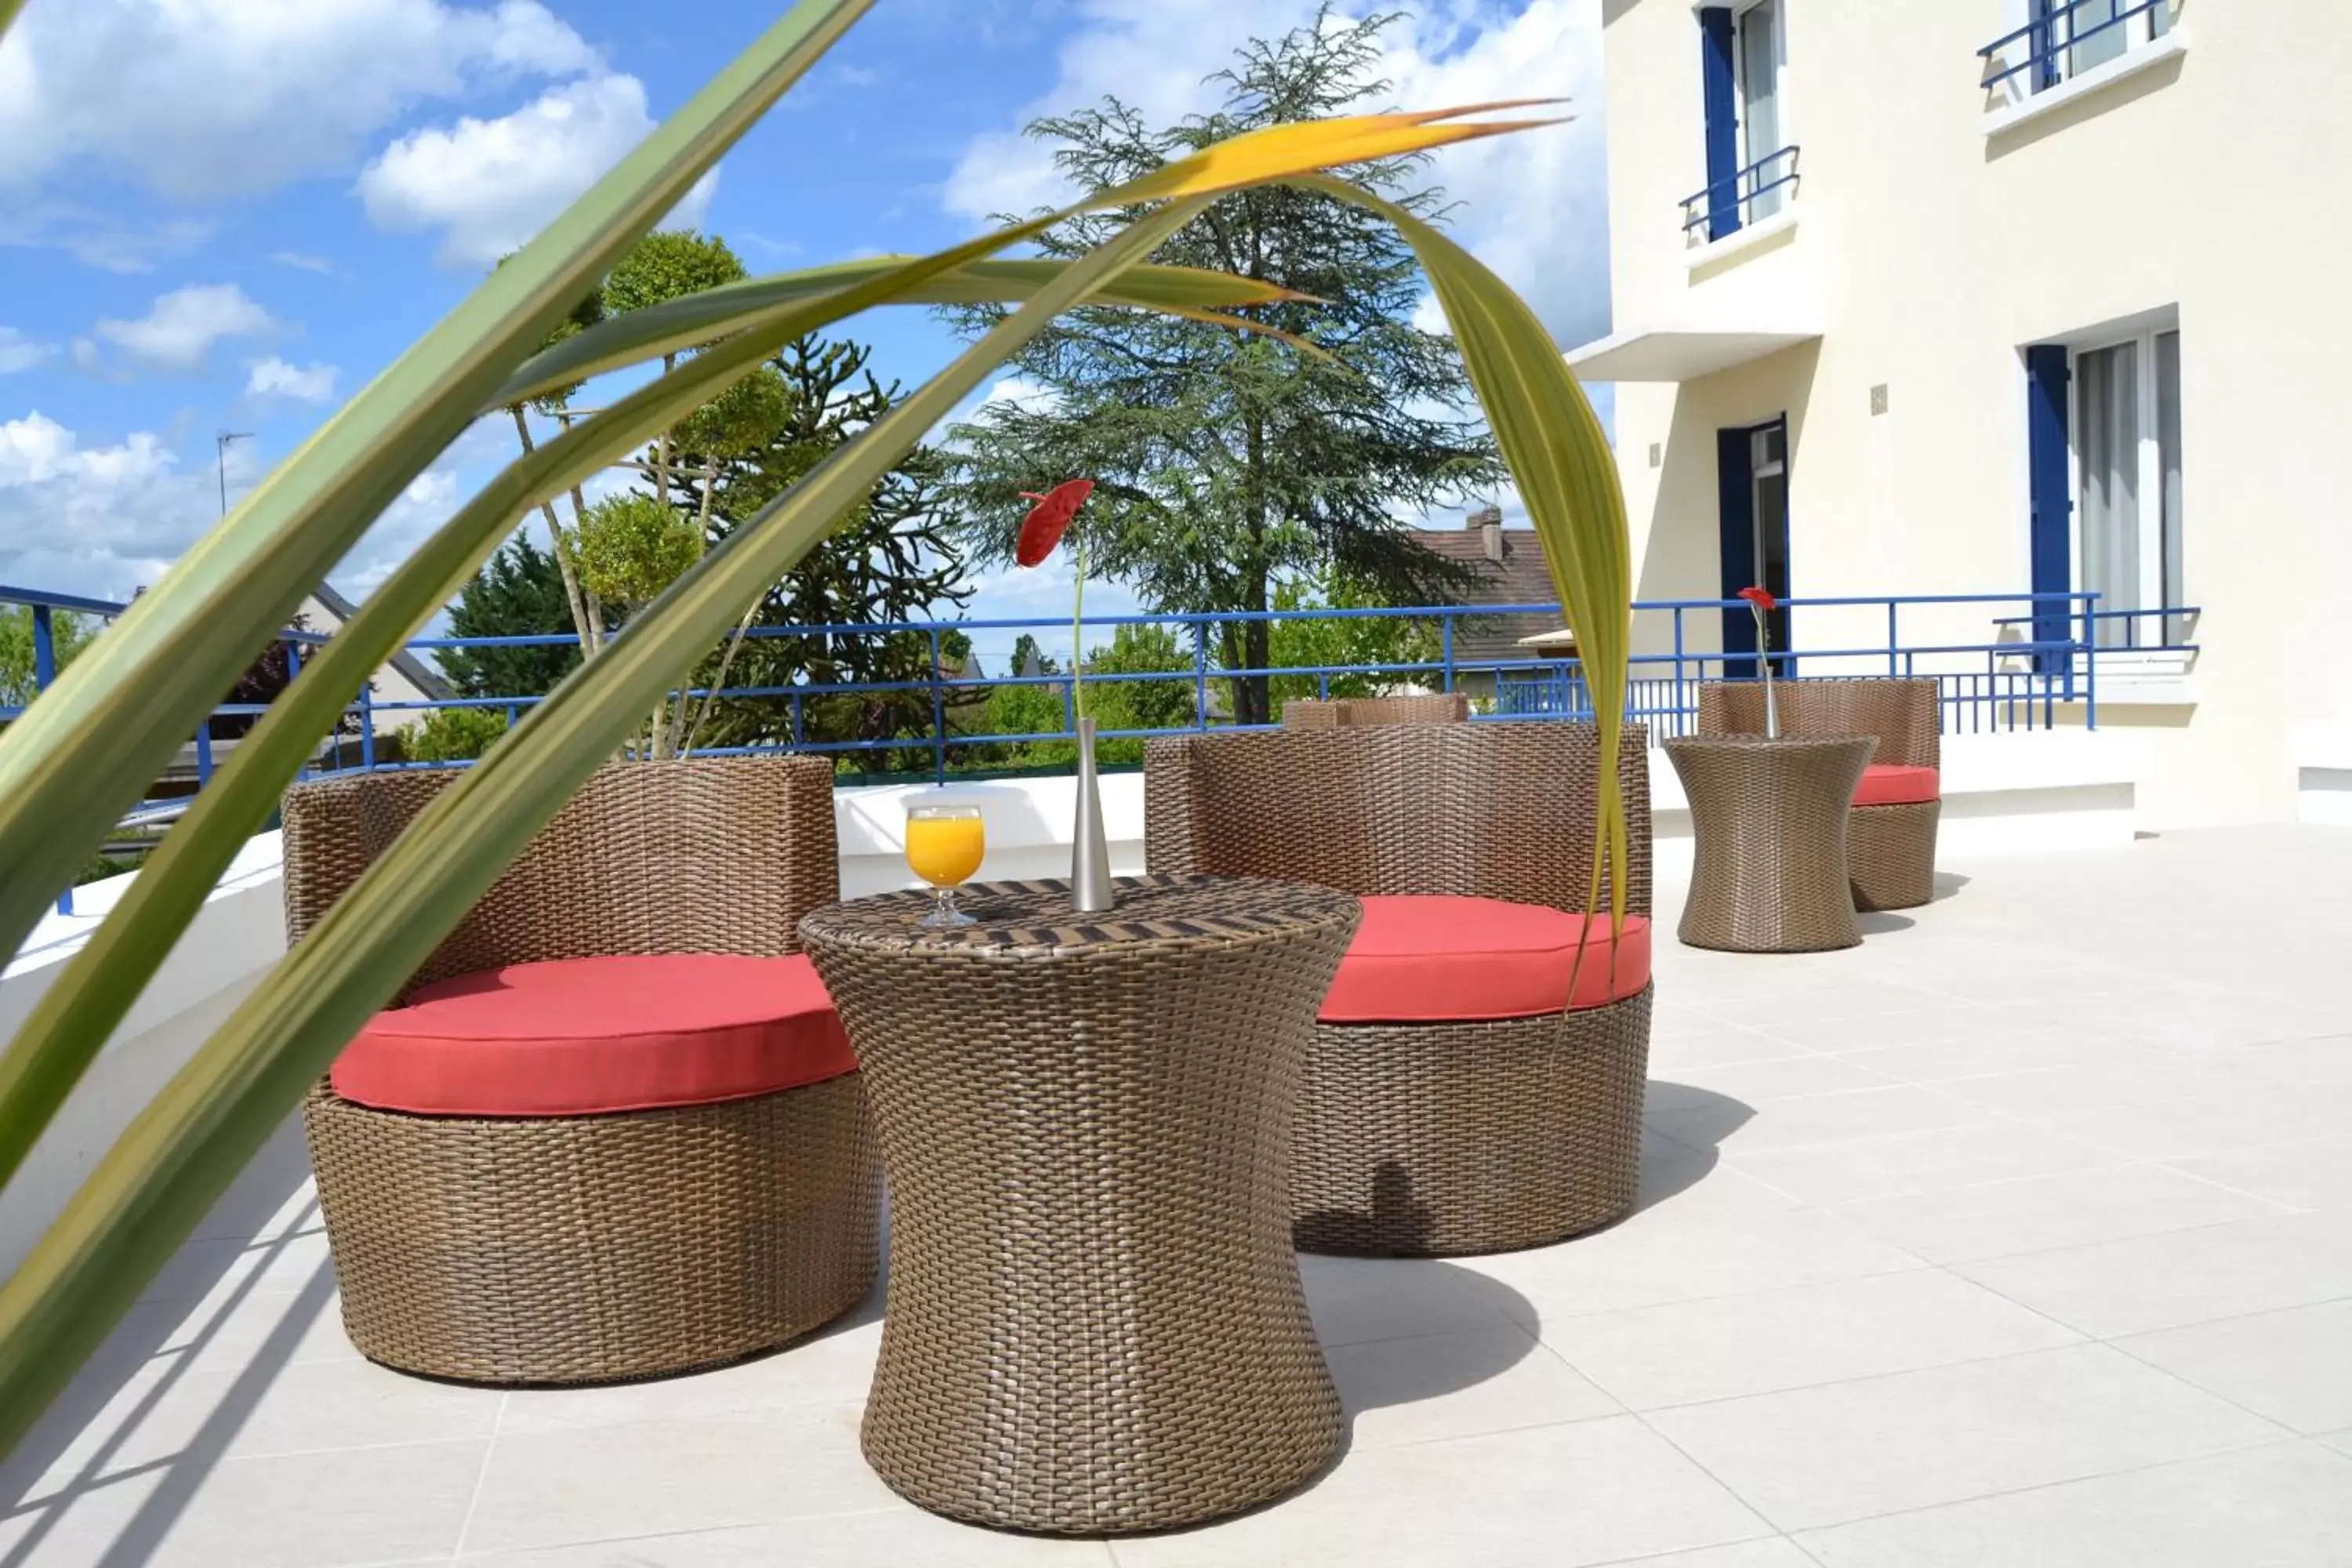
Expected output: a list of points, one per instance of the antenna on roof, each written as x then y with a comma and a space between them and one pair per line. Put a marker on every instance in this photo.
220, 452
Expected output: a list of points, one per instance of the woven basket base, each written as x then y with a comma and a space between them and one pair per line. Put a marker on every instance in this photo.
1447, 1140
1891, 854
597, 1248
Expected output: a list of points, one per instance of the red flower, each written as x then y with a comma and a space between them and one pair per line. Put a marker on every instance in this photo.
1049, 519
1760, 598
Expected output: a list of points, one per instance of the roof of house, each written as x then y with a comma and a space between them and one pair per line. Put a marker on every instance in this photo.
415, 670
1521, 577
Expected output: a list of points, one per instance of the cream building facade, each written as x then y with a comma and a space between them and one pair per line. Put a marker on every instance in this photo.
1985, 297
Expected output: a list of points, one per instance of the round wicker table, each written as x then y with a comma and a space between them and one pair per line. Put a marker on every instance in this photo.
1095, 1324
1769, 818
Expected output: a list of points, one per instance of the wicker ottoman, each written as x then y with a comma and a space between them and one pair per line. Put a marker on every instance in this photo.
1095, 1322
1769, 819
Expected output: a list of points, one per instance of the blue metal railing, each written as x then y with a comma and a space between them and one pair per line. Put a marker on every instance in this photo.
1773, 171
2020, 677
2051, 38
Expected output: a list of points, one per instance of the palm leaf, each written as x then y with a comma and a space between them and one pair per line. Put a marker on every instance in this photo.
85, 751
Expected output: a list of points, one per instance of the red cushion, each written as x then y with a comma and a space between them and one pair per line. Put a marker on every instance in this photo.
1888, 783
1431, 959
589, 1036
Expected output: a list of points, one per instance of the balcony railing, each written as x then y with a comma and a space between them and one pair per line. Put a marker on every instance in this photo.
2068, 40
1741, 197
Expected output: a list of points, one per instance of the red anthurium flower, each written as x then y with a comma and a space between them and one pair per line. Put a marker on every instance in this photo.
1049, 519
1760, 598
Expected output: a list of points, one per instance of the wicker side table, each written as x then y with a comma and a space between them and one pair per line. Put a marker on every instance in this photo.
1095, 1324
1769, 818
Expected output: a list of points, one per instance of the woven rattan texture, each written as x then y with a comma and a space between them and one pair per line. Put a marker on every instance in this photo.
1435, 1141
1769, 818
597, 1248
1891, 849
1313, 713
1495, 809
1096, 1322
1421, 1140
600, 1248
699, 855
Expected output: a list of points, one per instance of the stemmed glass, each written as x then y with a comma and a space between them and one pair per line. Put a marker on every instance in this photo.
944, 846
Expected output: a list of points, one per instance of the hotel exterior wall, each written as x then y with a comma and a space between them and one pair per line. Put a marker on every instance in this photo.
1928, 255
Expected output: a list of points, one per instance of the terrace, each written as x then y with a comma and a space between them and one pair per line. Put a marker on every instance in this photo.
2021, 1233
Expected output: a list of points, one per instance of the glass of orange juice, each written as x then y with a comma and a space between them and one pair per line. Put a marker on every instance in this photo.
944, 844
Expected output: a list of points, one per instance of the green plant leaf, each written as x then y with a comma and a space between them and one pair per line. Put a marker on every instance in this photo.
168, 1167
86, 751
623, 341
1567, 476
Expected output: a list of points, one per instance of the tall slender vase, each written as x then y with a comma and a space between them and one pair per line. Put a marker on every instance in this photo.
1771, 705
1090, 891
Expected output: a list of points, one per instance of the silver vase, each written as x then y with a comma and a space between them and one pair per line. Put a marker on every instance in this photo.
1090, 889
1771, 706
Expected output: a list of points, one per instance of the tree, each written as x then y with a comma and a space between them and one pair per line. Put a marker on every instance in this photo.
519, 592
69, 634
1225, 463
1114, 704
1383, 640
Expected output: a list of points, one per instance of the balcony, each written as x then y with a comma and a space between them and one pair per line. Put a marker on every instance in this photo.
2076, 49
1751, 201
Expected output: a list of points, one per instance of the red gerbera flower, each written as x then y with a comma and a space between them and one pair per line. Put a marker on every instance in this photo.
1760, 598
1049, 519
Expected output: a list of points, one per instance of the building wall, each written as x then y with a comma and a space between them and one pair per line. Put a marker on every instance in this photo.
1927, 255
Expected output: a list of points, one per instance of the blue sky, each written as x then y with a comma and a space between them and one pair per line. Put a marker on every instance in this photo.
227, 214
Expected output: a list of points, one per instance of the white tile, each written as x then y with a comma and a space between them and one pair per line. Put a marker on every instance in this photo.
661, 1478
1757, 1082
1736, 1345
893, 1538
2293, 1367
1552, 1497
2216, 1122
1772, 1552
1356, 1300
1818, 1118
1715, 1045
2316, 1175
211, 1272
1988, 1053
835, 1368
1816, 1457
301, 1510
2073, 1208
1458, 1385
1709, 1255
1934, 1160
2285, 1506
2189, 1277
2066, 1092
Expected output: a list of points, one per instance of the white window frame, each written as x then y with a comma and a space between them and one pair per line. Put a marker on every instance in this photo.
2139, 32
2149, 493
1747, 152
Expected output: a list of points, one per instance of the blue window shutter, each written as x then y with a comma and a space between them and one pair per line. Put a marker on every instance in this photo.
1736, 515
1722, 121
2047, 460
2045, 41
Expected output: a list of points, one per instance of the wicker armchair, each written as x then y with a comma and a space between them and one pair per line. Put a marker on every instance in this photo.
1337, 713
1890, 848
592, 1248
1435, 1138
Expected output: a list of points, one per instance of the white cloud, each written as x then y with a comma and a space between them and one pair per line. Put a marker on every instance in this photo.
1532, 205
200, 99
491, 185
18, 351
180, 329
302, 262
93, 519
274, 377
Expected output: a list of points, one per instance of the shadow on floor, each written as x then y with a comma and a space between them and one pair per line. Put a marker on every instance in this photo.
151, 1355
1947, 884
1673, 1164
1880, 922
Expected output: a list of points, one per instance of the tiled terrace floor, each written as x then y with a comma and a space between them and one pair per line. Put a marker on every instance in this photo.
2019, 1237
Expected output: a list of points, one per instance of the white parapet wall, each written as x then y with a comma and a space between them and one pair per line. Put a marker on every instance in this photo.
2002, 794
2323, 772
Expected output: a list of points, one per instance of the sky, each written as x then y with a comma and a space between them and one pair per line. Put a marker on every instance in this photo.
228, 216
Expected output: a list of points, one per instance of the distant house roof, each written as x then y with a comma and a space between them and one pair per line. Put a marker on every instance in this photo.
429, 682
1511, 570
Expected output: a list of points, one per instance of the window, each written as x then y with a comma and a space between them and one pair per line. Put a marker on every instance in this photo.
2127, 449
1762, 54
2076, 36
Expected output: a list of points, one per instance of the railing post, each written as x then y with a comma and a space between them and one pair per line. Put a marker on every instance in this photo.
1680, 681
367, 727
1199, 676
205, 752
1892, 642
45, 649
939, 715
2090, 673
1446, 630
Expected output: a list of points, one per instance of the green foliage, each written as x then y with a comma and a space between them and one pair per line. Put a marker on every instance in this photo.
69, 634
453, 734
1366, 641
669, 264
582, 316
631, 547
518, 592
1113, 704
1226, 465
